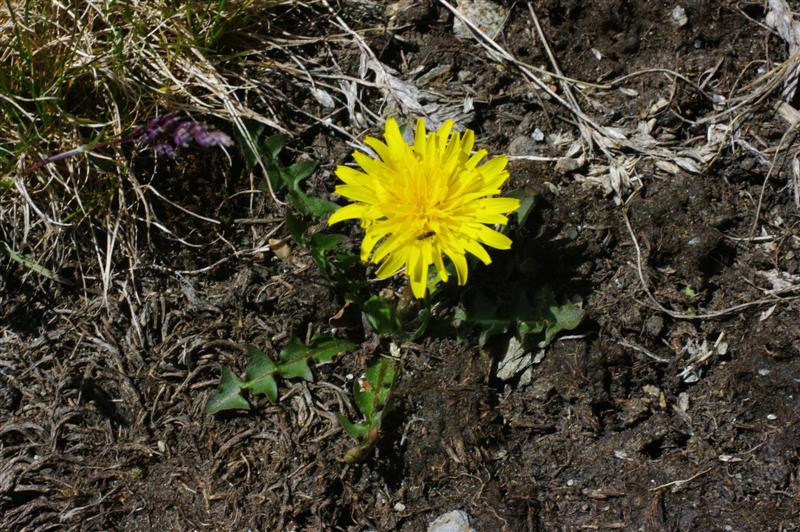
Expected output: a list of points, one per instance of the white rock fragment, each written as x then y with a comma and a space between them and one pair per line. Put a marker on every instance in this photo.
620, 454
683, 401
455, 521
487, 16
679, 17
515, 360
323, 98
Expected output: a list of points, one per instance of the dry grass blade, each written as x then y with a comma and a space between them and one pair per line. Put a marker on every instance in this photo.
80, 75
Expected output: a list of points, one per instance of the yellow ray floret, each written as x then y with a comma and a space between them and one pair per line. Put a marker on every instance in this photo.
422, 201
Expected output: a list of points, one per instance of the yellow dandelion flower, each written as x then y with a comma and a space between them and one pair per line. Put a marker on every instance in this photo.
421, 201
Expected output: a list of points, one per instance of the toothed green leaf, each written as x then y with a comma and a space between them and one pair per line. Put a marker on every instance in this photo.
371, 390
357, 431
297, 228
484, 312
382, 316
296, 369
527, 201
259, 375
544, 316
321, 244
273, 145
321, 350
228, 396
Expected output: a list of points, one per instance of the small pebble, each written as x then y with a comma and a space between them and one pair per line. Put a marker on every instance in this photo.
683, 401
455, 521
763, 372
679, 16
522, 145
772, 417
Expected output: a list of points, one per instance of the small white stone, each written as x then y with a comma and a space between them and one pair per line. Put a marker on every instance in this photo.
399, 507
772, 417
487, 16
455, 521
763, 372
679, 16
683, 401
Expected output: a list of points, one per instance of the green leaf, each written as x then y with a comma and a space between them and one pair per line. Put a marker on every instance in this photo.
228, 396
33, 265
321, 244
297, 228
254, 131
322, 349
382, 316
296, 369
372, 394
357, 431
319, 207
435, 280
295, 356
299, 171
273, 145
294, 349
260, 374
363, 397
304, 203
484, 313
546, 316
384, 383
371, 391
567, 317
527, 201
420, 324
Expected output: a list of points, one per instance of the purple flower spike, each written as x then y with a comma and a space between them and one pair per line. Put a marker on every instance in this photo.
165, 150
218, 138
168, 132
164, 133
206, 138
181, 135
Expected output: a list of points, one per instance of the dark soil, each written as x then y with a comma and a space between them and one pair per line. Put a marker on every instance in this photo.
102, 409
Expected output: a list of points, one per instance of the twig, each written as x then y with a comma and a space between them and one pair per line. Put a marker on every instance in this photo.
769, 173
681, 482
642, 350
